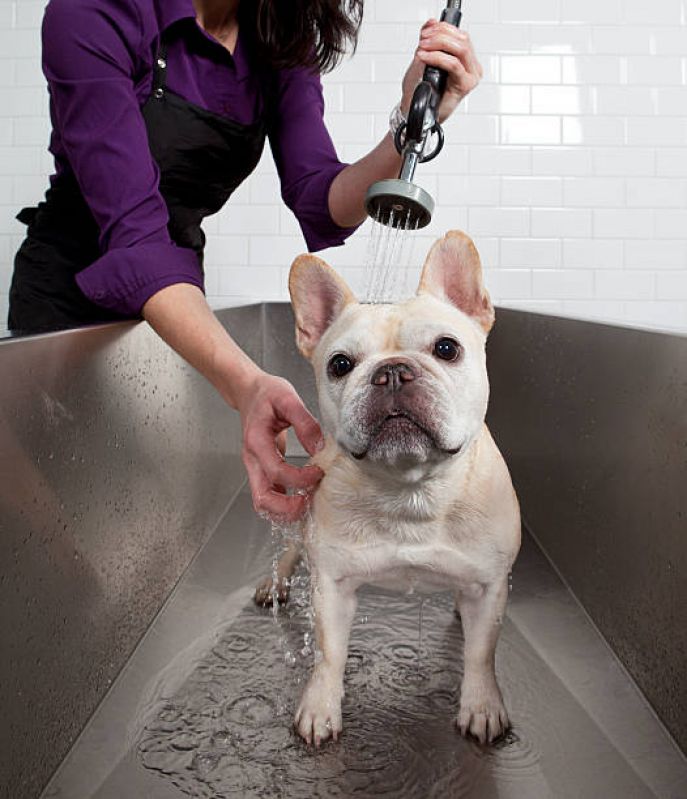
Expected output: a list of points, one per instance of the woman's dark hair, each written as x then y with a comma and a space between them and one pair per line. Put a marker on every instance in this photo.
313, 33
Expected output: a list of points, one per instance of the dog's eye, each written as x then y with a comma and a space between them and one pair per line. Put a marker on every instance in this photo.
447, 349
340, 365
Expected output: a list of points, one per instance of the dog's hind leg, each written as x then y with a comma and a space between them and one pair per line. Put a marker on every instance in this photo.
267, 591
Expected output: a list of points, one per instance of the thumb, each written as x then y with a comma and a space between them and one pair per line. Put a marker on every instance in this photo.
281, 442
304, 423
309, 433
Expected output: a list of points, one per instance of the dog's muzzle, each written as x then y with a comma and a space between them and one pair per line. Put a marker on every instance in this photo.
393, 375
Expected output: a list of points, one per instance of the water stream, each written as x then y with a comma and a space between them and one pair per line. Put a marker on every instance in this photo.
389, 256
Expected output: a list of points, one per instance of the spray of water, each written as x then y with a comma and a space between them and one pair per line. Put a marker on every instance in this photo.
296, 587
389, 256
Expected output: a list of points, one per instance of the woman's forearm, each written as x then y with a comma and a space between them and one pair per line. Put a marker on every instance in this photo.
347, 192
268, 405
181, 316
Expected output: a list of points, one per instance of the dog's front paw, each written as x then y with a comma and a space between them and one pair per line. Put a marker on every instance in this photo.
319, 713
265, 592
482, 713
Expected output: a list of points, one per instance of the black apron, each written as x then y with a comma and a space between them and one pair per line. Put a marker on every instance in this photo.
202, 158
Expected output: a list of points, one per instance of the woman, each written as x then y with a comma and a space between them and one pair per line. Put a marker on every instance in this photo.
160, 108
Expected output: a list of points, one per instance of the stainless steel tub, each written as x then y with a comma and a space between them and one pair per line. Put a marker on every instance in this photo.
129, 550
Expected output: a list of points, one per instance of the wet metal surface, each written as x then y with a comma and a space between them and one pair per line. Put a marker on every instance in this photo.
205, 706
118, 461
111, 477
592, 421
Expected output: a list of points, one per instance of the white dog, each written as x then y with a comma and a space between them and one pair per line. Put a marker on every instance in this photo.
415, 491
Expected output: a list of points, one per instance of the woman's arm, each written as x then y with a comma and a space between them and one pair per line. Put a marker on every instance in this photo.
268, 405
91, 57
349, 187
92, 53
441, 45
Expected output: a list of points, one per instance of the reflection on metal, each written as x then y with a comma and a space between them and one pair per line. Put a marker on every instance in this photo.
281, 357
118, 462
592, 420
205, 706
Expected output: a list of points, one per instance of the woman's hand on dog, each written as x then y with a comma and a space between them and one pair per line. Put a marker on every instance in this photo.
449, 48
268, 405
268, 408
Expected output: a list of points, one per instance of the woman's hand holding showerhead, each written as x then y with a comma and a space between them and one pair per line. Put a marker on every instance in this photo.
449, 48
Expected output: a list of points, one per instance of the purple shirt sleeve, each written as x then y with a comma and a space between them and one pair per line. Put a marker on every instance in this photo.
306, 160
90, 60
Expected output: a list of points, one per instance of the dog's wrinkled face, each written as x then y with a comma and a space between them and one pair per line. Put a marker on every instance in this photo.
404, 384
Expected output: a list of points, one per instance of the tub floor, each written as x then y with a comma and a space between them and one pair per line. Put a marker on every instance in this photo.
204, 706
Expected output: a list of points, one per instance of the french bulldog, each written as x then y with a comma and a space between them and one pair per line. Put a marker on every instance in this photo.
415, 492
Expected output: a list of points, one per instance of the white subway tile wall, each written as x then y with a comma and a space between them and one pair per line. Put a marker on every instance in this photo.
568, 165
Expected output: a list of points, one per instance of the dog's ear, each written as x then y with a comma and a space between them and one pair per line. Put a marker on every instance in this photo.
318, 296
453, 273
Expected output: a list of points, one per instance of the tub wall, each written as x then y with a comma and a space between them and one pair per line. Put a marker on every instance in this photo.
592, 420
568, 165
117, 462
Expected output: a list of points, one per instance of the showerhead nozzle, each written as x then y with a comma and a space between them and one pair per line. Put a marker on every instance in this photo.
399, 203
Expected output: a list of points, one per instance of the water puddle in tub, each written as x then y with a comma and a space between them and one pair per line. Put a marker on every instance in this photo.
226, 731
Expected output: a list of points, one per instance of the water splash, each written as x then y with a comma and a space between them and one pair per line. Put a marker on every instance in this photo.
226, 733
389, 255
283, 536
294, 589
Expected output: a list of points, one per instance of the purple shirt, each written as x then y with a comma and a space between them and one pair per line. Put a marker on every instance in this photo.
98, 58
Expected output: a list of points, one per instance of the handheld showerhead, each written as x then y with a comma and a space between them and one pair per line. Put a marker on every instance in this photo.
399, 202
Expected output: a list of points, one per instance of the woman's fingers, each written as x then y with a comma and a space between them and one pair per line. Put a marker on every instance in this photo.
260, 444
281, 442
446, 47
445, 38
454, 66
268, 499
457, 45
292, 411
268, 414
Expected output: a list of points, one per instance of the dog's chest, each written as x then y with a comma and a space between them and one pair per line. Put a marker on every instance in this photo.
402, 539
405, 565
416, 577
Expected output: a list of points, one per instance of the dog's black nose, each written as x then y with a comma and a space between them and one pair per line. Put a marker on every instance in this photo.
393, 374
